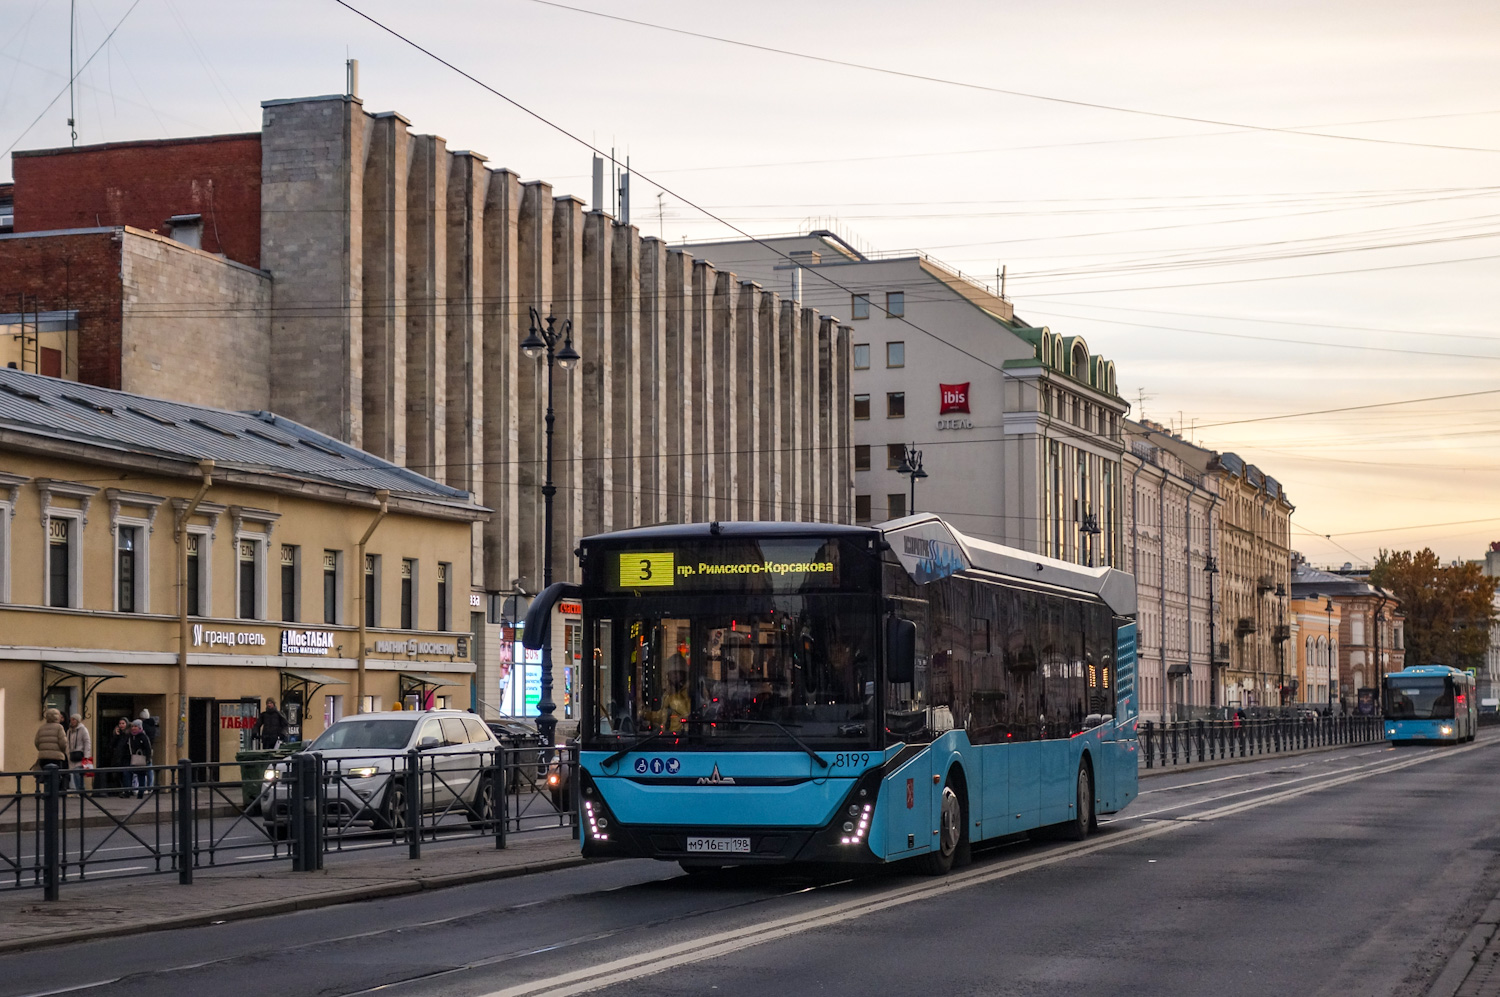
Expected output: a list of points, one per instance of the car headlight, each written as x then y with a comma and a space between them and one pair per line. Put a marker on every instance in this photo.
272, 775
364, 771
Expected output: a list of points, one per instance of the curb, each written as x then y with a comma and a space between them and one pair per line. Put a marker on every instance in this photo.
1463, 961
311, 902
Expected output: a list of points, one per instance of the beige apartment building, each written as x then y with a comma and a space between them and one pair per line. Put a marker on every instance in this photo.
1171, 547
101, 493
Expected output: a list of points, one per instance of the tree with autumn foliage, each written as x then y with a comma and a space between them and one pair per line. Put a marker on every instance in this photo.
1448, 609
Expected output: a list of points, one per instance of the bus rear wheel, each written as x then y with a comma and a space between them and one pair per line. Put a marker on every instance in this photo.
1082, 822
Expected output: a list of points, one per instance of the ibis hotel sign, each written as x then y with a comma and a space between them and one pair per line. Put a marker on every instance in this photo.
954, 402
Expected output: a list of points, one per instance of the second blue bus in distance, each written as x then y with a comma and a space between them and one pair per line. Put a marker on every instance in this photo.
794, 692
1430, 703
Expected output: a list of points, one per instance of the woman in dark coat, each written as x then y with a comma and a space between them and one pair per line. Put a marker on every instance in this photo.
119, 754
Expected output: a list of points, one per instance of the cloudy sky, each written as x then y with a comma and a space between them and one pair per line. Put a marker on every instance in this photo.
1256, 210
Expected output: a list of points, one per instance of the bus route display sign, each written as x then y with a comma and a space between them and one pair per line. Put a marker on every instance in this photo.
767, 566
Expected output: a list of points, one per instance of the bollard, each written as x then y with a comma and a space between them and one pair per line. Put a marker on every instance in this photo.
414, 804
316, 807
187, 850
51, 857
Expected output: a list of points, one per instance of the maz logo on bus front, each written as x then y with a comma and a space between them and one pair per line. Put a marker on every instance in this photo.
935, 559
715, 779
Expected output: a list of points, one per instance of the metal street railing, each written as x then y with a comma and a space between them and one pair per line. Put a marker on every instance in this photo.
147, 820
1190, 741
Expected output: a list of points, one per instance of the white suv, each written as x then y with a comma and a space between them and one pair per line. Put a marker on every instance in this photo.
365, 757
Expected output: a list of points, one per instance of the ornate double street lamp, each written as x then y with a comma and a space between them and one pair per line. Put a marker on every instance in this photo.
539, 342
911, 463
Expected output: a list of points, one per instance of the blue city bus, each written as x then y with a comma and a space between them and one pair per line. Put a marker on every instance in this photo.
761, 693
1430, 703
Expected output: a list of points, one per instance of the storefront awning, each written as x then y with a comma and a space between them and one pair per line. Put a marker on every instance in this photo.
91, 678
1174, 670
306, 682
420, 684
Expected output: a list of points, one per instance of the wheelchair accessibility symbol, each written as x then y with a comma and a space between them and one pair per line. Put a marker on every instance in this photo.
640, 766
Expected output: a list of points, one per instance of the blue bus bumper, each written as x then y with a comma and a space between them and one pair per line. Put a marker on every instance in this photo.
821, 820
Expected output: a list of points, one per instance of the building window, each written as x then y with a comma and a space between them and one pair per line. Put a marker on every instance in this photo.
248, 577
895, 405
861, 307
861, 406
444, 572
60, 544
288, 583
194, 575
861, 508
895, 505
372, 589
895, 304
861, 456
408, 570
861, 356
895, 354
127, 538
895, 453
330, 586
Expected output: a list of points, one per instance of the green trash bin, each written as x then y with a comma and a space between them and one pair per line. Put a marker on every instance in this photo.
253, 769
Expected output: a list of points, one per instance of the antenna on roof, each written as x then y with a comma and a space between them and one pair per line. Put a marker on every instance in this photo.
72, 40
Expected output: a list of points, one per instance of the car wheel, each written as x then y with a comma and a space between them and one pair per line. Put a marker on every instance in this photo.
482, 810
279, 830
393, 816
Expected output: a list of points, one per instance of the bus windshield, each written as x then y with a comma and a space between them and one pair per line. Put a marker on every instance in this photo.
726, 670
1419, 698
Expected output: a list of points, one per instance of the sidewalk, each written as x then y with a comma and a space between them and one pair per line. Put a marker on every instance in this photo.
113, 907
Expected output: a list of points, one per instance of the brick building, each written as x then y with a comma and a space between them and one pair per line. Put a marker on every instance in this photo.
375, 285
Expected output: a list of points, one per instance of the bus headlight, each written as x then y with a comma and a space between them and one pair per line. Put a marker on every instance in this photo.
1446, 728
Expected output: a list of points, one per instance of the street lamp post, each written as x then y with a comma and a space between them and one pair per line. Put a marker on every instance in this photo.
1328, 608
1281, 634
911, 463
543, 341
1211, 568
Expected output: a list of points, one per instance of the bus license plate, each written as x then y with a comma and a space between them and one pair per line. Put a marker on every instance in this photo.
718, 844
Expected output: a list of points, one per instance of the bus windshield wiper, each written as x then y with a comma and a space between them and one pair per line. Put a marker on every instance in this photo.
772, 723
646, 739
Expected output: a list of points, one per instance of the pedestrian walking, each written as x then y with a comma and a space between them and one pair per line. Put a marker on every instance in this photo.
119, 756
270, 727
140, 759
80, 747
51, 742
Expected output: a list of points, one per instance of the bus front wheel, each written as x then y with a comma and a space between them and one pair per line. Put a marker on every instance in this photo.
952, 834
1082, 821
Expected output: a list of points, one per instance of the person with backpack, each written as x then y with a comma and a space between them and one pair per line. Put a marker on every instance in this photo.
270, 727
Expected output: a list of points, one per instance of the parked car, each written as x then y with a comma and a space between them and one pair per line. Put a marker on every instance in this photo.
362, 753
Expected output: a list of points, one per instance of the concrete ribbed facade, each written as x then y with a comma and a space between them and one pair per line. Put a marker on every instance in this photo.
403, 275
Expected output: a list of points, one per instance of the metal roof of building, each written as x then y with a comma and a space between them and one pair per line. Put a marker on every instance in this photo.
252, 441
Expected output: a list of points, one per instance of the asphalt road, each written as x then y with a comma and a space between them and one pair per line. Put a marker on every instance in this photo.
1351, 872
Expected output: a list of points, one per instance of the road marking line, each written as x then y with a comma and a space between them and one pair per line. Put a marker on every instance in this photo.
74, 989
725, 942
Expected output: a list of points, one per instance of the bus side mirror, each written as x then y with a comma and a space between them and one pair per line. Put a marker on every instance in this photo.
900, 650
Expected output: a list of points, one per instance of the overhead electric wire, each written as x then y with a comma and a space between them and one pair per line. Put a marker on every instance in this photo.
1010, 93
